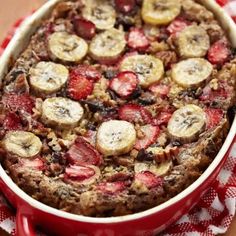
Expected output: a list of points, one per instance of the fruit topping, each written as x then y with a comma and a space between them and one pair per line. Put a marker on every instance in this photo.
161, 90
213, 116
36, 164
124, 84
134, 113
137, 40
84, 28
125, 6
111, 188
18, 102
149, 136
79, 87
177, 26
187, 123
149, 179
87, 71
12, 122
83, 153
219, 53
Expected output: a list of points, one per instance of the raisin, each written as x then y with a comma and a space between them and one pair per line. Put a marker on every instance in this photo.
143, 155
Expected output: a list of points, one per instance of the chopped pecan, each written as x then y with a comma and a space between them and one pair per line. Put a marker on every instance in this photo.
162, 154
168, 57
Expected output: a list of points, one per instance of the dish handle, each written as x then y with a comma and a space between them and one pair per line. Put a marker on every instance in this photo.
24, 225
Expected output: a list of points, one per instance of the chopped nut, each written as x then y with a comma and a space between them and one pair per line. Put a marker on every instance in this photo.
158, 46
163, 154
214, 84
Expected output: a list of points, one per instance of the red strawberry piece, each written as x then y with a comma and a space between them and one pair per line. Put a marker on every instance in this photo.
214, 116
12, 122
111, 188
148, 179
83, 153
84, 28
137, 39
124, 84
160, 89
222, 2
177, 26
79, 87
87, 71
209, 95
36, 164
78, 173
125, 6
234, 18
19, 102
134, 113
150, 134
162, 118
219, 52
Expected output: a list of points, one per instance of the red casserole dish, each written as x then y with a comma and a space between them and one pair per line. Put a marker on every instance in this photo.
31, 213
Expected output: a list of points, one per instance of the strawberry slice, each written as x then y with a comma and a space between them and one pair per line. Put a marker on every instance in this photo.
134, 113
162, 118
78, 173
222, 2
124, 84
87, 71
79, 87
177, 26
223, 92
84, 28
161, 90
150, 134
36, 164
214, 116
83, 153
12, 122
137, 39
148, 179
18, 102
111, 188
125, 6
219, 52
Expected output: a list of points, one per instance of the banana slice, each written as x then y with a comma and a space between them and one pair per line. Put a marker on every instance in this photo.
67, 47
160, 12
148, 68
61, 112
48, 77
100, 12
160, 169
187, 123
108, 46
22, 143
192, 72
115, 137
193, 41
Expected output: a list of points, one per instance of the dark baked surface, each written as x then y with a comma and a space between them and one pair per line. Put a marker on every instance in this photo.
148, 104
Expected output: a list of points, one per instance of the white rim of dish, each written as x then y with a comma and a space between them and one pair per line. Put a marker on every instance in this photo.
6, 57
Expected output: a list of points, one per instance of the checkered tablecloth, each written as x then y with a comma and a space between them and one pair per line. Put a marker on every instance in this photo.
215, 210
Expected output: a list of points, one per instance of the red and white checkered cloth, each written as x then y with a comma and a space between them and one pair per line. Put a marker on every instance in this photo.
215, 210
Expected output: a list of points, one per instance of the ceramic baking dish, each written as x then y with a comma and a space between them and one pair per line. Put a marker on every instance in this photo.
32, 213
